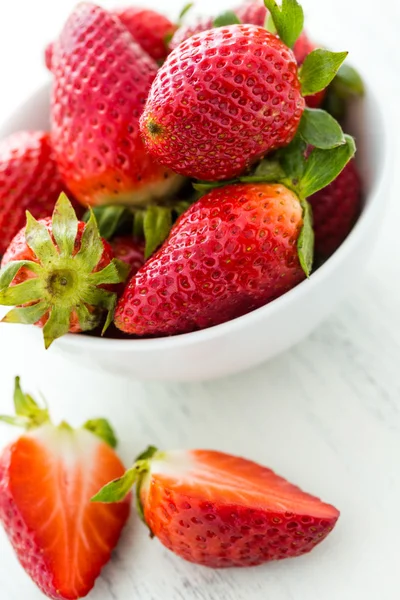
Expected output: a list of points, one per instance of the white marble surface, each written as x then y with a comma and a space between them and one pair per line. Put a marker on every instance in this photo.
326, 414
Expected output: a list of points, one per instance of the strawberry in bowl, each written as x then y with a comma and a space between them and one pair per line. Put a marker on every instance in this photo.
217, 159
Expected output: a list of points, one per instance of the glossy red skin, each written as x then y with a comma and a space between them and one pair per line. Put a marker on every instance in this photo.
29, 180
148, 28
130, 251
19, 250
101, 81
302, 49
233, 251
18, 514
336, 209
221, 101
221, 532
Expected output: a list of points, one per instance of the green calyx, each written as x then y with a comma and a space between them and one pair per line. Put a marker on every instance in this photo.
286, 20
152, 224
64, 284
29, 415
117, 490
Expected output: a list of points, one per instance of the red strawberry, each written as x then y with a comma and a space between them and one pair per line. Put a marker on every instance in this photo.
221, 101
233, 251
253, 12
336, 209
149, 29
302, 49
223, 511
130, 251
58, 293
47, 478
29, 180
101, 81
184, 32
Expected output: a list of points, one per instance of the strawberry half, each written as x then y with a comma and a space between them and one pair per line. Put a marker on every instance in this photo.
222, 511
29, 180
101, 82
60, 274
47, 477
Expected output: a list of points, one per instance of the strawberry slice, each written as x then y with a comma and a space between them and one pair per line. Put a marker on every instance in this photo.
220, 511
47, 478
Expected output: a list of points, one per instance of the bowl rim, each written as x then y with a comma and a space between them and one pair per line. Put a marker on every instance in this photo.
138, 345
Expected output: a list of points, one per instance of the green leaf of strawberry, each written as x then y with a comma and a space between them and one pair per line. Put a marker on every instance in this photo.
305, 243
319, 69
103, 430
157, 225
109, 219
226, 18
29, 414
184, 11
323, 166
319, 129
288, 20
348, 82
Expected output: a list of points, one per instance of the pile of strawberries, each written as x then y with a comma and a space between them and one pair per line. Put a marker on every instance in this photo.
202, 152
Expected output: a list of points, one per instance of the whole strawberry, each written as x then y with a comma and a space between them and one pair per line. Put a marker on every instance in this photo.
302, 49
29, 180
101, 81
149, 29
221, 101
222, 511
47, 477
60, 274
336, 209
233, 251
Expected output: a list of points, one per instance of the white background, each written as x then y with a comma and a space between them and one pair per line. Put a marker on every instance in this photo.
326, 414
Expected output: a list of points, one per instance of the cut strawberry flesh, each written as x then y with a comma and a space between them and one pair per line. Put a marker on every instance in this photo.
61, 539
223, 511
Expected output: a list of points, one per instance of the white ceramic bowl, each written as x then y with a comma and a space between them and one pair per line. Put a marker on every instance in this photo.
266, 332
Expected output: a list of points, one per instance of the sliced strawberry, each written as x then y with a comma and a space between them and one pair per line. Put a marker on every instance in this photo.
47, 478
223, 511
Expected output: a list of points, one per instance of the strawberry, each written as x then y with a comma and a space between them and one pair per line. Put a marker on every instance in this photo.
29, 180
47, 477
233, 251
184, 32
130, 251
302, 49
251, 12
221, 511
221, 101
239, 246
101, 81
336, 209
149, 29
56, 270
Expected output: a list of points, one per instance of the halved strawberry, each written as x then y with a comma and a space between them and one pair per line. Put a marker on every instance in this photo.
220, 511
47, 477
